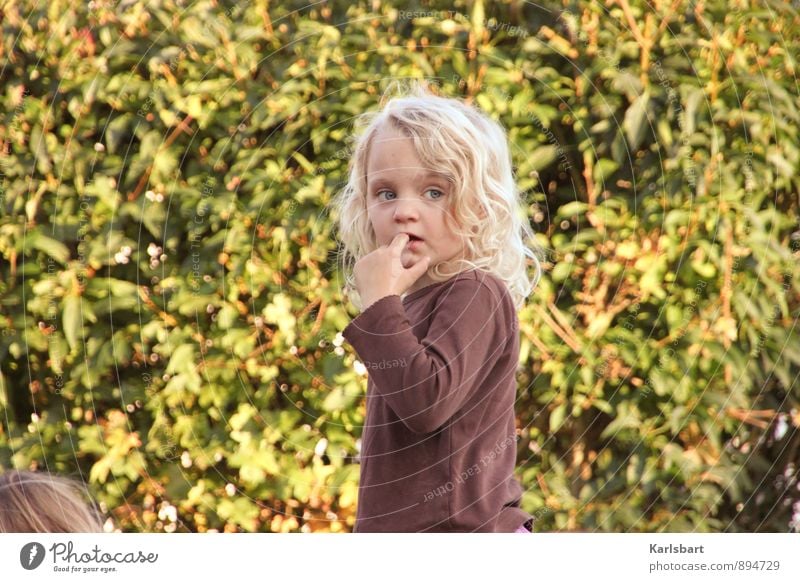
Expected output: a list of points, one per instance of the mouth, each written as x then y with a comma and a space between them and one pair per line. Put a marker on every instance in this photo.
413, 237
415, 245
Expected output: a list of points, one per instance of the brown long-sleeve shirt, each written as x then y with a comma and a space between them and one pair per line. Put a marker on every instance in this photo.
439, 443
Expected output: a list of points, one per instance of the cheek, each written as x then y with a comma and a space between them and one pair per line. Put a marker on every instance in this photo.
377, 222
451, 228
372, 214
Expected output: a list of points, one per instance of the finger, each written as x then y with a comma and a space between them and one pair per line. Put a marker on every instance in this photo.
419, 268
399, 241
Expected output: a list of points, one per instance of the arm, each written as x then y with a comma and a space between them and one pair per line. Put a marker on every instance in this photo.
426, 382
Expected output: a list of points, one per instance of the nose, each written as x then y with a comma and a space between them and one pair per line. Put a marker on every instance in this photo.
405, 209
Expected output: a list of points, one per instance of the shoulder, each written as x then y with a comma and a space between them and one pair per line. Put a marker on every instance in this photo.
486, 283
476, 285
478, 303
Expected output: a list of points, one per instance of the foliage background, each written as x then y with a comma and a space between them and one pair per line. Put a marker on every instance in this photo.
169, 299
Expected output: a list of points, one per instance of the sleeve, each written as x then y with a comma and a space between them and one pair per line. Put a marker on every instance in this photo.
425, 382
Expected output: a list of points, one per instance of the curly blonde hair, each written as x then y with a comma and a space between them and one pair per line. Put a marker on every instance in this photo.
472, 151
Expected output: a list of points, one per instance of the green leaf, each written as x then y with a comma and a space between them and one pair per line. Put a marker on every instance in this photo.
634, 124
557, 417
182, 359
571, 209
604, 169
49, 246
72, 321
542, 157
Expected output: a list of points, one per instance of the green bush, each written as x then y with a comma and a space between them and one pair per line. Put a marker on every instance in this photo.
169, 293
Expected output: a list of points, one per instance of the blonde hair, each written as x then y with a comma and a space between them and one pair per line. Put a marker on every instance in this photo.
33, 502
471, 150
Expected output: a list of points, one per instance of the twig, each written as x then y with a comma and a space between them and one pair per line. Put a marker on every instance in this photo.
183, 126
560, 332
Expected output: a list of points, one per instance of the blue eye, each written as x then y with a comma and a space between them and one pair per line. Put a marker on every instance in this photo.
439, 194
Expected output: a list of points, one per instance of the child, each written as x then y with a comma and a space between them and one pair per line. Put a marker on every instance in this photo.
42, 503
436, 251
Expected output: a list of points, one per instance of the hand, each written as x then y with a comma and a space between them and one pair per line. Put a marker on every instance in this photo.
382, 273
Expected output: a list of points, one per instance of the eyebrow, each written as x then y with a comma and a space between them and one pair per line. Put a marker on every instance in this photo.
388, 182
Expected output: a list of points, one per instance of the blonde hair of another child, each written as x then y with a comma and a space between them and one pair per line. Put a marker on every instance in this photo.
33, 502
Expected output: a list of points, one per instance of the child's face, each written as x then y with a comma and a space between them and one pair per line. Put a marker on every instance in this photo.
402, 196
